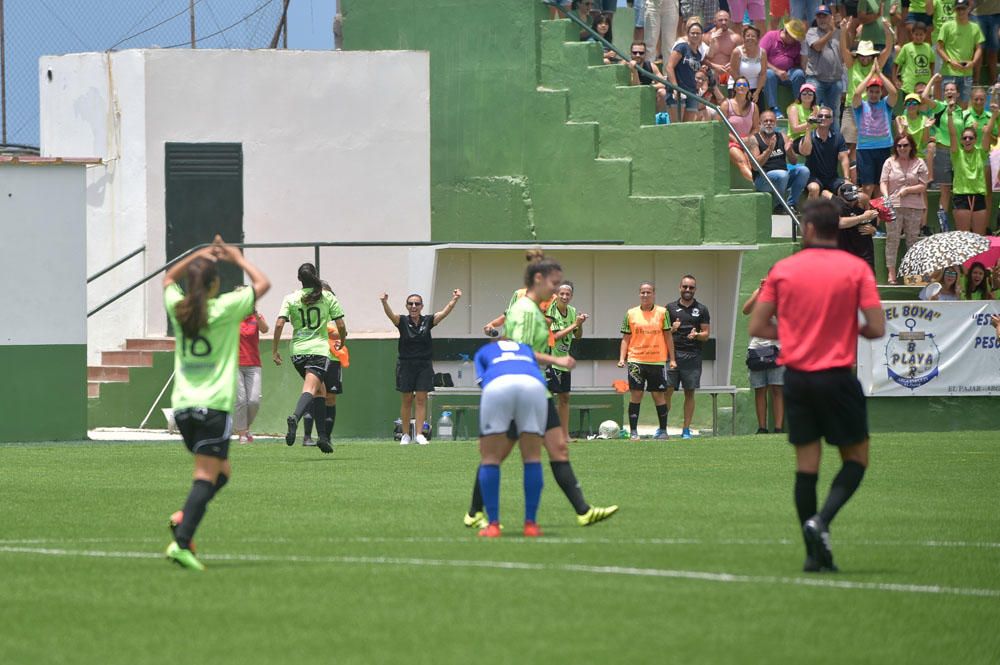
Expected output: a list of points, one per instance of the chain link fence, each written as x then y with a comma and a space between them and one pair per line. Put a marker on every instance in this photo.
33, 28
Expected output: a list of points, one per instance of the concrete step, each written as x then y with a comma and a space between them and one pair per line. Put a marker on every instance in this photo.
781, 226
127, 358
107, 374
93, 389
150, 344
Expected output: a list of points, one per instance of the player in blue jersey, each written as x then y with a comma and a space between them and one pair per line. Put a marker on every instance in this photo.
513, 392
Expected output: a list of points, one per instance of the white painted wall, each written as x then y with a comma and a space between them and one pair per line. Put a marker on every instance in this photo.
42, 267
327, 154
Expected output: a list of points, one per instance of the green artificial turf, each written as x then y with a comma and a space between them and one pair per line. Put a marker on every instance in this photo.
361, 557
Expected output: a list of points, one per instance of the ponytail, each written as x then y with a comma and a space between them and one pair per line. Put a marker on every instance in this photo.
192, 311
534, 254
310, 280
543, 267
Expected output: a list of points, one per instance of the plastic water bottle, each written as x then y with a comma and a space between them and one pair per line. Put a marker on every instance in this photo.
464, 366
445, 428
623, 434
943, 220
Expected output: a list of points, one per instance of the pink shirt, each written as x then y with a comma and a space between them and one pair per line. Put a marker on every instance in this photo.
818, 293
780, 54
743, 124
895, 177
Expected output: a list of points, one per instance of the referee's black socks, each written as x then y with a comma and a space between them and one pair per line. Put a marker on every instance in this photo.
569, 485
201, 493
843, 487
805, 495
633, 416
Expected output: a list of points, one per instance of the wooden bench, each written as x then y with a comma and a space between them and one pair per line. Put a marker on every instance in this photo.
463, 403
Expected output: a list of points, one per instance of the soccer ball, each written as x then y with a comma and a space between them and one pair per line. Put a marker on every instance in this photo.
608, 430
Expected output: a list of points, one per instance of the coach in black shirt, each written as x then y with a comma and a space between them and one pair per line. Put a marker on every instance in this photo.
414, 370
689, 322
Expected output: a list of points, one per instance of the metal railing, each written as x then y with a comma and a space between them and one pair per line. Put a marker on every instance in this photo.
317, 245
116, 264
670, 86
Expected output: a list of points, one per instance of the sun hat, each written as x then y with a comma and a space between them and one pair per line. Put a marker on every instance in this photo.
865, 47
796, 29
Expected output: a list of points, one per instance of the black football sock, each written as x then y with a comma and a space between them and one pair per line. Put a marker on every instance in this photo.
569, 485
805, 494
633, 416
477, 497
843, 487
331, 418
201, 493
318, 410
305, 399
661, 415
220, 482
307, 424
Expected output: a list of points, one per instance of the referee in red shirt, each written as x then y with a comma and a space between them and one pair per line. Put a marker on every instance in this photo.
816, 295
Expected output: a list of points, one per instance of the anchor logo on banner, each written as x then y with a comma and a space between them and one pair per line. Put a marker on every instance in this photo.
912, 357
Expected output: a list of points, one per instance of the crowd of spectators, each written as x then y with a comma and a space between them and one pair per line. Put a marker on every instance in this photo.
896, 103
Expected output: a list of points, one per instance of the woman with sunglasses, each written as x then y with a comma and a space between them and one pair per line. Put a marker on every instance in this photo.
414, 371
904, 186
947, 279
800, 110
968, 160
742, 114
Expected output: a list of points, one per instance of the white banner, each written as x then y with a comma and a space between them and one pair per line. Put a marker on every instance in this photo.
933, 348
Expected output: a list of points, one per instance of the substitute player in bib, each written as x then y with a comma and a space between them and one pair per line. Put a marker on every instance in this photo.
496, 326
309, 310
513, 391
646, 349
207, 327
818, 327
526, 323
414, 368
566, 325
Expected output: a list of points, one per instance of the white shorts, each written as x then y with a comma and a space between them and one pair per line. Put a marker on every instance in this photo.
513, 397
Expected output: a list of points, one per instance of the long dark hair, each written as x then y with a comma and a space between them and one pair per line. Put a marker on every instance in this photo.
602, 18
983, 287
310, 280
192, 311
543, 267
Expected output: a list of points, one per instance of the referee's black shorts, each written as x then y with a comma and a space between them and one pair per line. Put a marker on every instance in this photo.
827, 403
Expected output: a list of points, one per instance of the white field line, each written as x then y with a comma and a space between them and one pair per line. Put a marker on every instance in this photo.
959, 544
725, 578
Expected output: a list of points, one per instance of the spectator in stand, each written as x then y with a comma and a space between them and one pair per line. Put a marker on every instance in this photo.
640, 18
987, 15
700, 9
248, 380
857, 224
858, 62
960, 46
690, 324
873, 117
803, 10
738, 9
564, 6
939, 146
944, 11
661, 17
915, 60
601, 24
916, 124
870, 26
976, 115
742, 115
947, 279
785, 63
768, 376
980, 284
824, 150
722, 41
824, 64
707, 91
801, 110
640, 59
749, 60
920, 11
969, 158
778, 10
904, 186
770, 149
681, 67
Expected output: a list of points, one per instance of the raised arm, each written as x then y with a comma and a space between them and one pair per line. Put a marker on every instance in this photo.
260, 283
846, 42
891, 93
439, 316
176, 272
392, 316
883, 57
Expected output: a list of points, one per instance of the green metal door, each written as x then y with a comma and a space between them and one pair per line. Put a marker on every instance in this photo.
204, 196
